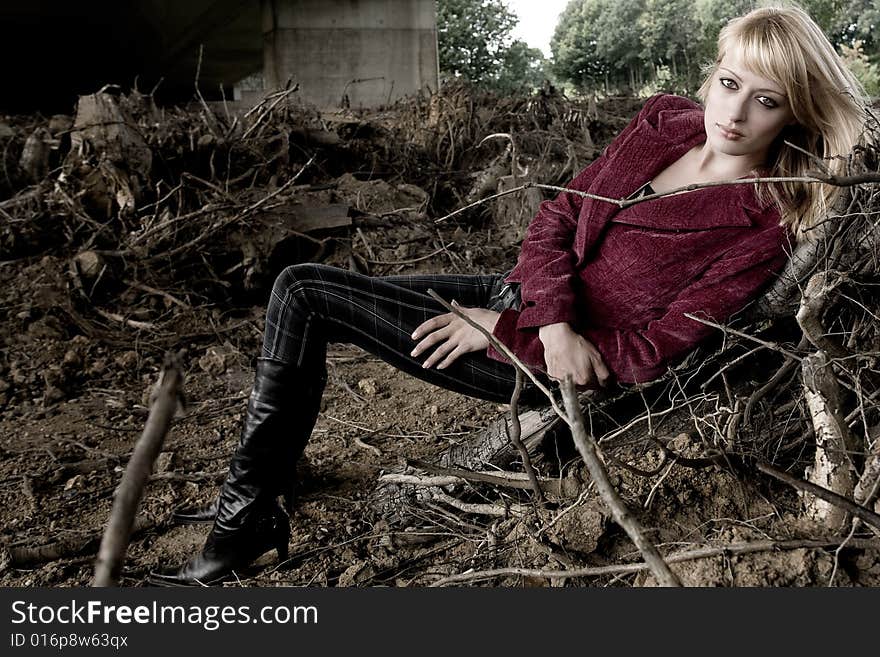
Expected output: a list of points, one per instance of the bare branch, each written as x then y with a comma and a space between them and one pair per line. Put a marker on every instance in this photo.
166, 400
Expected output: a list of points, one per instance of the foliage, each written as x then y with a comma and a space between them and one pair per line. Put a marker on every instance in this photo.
867, 73
475, 43
575, 44
615, 46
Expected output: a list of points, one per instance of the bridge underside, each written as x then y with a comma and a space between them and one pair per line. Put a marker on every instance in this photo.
368, 51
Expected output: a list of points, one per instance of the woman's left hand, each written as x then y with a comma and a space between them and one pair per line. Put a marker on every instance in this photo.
453, 336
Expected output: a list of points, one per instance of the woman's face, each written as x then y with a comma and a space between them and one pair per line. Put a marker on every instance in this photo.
744, 112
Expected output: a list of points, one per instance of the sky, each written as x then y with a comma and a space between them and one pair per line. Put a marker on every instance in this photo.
537, 20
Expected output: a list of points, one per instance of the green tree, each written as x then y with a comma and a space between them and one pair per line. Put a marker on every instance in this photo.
576, 55
866, 72
522, 67
711, 16
596, 46
670, 36
651, 45
857, 20
475, 43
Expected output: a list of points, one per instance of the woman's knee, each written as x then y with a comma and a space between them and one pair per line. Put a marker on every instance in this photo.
294, 277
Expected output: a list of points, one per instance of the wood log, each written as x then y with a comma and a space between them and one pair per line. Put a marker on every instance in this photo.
102, 126
832, 468
867, 490
488, 447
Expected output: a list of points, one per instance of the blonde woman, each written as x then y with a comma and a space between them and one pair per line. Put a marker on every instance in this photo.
599, 292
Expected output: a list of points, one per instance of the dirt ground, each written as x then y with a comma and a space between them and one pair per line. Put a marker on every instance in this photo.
73, 401
64, 445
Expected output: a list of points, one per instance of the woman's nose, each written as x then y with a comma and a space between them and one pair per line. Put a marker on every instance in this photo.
736, 111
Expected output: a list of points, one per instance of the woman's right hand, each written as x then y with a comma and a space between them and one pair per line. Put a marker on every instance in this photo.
568, 353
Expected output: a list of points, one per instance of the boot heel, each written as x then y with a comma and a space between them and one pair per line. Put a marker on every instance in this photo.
282, 536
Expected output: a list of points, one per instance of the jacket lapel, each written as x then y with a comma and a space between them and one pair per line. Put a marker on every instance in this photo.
648, 150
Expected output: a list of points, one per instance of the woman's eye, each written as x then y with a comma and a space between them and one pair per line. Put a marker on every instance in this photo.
767, 102
724, 82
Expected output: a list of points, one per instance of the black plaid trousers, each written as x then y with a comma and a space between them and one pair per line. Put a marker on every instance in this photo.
312, 305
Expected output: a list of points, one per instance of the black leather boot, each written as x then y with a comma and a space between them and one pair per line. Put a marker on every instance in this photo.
195, 515
281, 413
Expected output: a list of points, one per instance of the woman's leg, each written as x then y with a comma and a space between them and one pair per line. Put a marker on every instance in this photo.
312, 305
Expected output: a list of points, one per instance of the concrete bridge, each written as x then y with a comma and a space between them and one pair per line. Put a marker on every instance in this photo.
368, 52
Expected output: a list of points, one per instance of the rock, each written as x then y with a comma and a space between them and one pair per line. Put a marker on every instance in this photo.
60, 123
356, 573
98, 367
368, 386
89, 264
217, 359
34, 159
46, 328
6, 131
127, 360
581, 529
72, 359
164, 461
53, 395
418, 194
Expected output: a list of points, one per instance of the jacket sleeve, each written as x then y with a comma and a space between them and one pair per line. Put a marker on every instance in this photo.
639, 354
643, 354
546, 265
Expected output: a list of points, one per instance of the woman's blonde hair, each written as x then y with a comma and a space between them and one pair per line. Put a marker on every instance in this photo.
782, 43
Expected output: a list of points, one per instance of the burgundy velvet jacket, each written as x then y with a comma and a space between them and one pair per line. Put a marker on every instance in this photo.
625, 278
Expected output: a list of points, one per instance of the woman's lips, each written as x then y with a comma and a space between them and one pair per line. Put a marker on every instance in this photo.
733, 136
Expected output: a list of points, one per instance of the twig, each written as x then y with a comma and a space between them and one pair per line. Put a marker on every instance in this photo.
418, 480
787, 368
412, 260
813, 301
148, 326
481, 509
280, 96
153, 290
283, 187
867, 515
690, 555
166, 399
372, 448
28, 557
514, 432
208, 113
586, 445
503, 348
839, 181
216, 476
727, 329
238, 217
567, 487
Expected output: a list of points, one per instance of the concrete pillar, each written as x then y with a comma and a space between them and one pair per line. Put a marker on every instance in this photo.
370, 52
